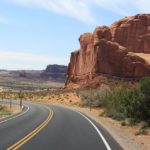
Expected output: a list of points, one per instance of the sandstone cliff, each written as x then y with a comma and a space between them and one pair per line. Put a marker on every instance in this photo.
133, 32
110, 52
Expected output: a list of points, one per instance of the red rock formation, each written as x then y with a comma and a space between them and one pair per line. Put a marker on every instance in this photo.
109, 52
133, 33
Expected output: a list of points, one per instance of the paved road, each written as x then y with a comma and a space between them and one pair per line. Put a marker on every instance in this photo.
53, 128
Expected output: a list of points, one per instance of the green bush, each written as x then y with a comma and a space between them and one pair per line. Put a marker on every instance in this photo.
114, 101
132, 103
145, 88
121, 102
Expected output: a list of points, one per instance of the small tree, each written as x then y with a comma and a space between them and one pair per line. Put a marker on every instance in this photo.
2, 97
20, 96
91, 98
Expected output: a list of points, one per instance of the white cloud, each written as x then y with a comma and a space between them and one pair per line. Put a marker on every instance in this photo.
79, 9
21, 60
121, 7
83, 9
124, 7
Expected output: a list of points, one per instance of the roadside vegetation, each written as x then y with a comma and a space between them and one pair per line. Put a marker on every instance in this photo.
4, 111
130, 106
60, 96
130, 103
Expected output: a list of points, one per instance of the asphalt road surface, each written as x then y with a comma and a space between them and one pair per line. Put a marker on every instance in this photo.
49, 127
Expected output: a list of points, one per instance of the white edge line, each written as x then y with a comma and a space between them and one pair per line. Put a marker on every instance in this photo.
98, 131
16, 115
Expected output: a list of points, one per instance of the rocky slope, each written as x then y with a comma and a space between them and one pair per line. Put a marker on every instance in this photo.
110, 52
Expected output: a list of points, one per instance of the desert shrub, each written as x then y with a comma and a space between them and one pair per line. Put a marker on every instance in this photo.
102, 114
144, 125
133, 104
86, 97
92, 97
2, 108
142, 132
123, 123
115, 115
77, 92
132, 122
114, 99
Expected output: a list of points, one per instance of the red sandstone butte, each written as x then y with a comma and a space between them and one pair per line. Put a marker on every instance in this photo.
112, 52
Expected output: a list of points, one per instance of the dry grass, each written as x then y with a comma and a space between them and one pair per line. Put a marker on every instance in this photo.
55, 97
6, 110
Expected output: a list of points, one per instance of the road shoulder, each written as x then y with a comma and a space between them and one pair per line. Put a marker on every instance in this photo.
124, 135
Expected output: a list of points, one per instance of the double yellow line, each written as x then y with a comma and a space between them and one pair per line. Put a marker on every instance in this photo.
33, 133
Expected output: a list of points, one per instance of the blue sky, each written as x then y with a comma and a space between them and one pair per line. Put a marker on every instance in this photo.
35, 33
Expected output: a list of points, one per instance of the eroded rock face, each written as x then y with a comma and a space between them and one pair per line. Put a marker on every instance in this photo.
85, 40
102, 32
133, 33
109, 51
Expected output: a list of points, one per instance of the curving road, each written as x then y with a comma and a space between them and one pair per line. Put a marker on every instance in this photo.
49, 127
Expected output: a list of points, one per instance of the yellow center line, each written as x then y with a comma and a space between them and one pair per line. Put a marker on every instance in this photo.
33, 133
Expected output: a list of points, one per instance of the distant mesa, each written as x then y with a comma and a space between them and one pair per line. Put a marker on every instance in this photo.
23, 74
53, 76
55, 72
119, 51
